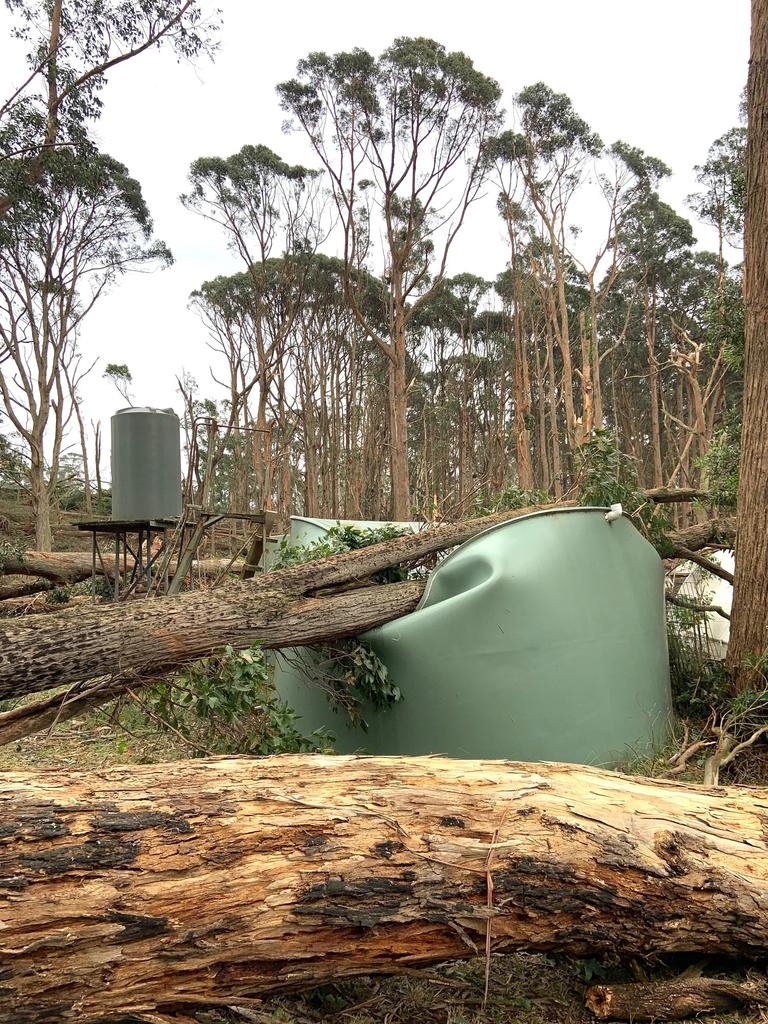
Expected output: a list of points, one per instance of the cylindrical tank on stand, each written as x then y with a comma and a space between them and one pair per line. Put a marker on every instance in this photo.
146, 464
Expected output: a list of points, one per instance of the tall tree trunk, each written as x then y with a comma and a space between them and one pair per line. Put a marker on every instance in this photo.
40, 497
522, 403
749, 618
398, 418
97, 456
587, 388
146, 891
87, 503
557, 466
653, 384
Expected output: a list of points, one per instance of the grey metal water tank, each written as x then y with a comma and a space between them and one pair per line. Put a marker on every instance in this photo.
146, 464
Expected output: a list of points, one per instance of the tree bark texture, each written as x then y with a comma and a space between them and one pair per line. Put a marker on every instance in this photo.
279, 609
151, 888
749, 623
675, 999
148, 636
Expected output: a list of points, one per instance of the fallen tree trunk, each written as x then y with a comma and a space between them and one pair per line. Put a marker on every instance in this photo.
60, 567
148, 636
64, 568
278, 608
721, 530
671, 1000
14, 591
275, 609
146, 890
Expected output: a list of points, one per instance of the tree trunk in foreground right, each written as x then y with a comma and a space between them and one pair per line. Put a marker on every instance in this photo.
749, 619
153, 889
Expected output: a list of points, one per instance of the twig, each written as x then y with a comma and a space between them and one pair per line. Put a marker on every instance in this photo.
682, 602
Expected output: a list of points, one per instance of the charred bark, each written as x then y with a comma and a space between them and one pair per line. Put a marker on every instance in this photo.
151, 889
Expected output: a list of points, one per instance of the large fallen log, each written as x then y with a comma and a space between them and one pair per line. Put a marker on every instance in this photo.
278, 609
146, 890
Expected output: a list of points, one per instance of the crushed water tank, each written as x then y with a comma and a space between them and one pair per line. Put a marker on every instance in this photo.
146, 464
542, 639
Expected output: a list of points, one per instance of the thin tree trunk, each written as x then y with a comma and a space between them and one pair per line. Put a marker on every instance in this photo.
401, 502
653, 386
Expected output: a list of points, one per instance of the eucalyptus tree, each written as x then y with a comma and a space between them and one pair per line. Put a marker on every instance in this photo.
722, 202
72, 45
61, 251
552, 152
272, 216
402, 138
749, 624
654, 242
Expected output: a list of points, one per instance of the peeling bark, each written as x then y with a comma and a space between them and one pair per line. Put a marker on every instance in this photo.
146, 889
670, 1000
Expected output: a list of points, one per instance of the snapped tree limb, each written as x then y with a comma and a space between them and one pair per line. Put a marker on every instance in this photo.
286, 608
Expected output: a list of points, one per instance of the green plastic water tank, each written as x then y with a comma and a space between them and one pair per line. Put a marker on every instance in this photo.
146, 464
540, 639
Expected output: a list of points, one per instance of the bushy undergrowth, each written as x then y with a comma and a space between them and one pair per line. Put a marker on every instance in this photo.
227, 704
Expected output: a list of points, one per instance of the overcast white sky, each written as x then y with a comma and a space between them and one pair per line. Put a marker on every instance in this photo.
665, 75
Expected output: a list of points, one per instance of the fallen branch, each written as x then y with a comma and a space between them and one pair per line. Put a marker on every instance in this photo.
65, 568
210, 883
721, 530
683, 602
16, 590
669, 495
705, 563
671, 1000
38, 715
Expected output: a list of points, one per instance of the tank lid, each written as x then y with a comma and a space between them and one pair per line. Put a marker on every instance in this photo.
146, 409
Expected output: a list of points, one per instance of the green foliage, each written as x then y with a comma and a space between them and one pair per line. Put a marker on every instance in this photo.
608, 476
512, 497
13, 470
100, 588
61, 97
11, 547
340, 539
720, 465
227, 704
120, 375
724, 178
551, 126
699, 682
350, 670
